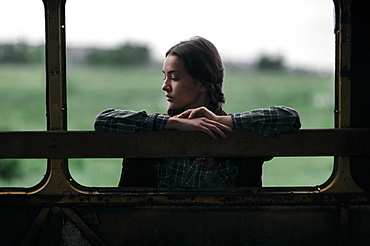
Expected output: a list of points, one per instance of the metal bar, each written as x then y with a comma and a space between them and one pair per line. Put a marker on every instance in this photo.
344, 77
82, 226
56, 92
35, 228
344, 226
184, 197
56, 103
334, 142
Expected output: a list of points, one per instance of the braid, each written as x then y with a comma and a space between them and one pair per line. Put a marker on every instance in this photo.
216, 98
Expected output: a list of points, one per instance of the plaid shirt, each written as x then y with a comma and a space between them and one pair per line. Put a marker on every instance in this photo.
193, 172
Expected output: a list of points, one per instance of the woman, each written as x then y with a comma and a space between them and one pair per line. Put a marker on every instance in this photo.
193, 76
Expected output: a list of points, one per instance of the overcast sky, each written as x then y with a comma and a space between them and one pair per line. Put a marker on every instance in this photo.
300, 30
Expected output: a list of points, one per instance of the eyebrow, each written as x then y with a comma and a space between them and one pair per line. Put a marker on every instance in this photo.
172, 71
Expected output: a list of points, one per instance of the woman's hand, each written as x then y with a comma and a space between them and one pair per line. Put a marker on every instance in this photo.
201, 119
205, 112
202, 124
198, 112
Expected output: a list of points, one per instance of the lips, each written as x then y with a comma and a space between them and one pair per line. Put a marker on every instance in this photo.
169, 98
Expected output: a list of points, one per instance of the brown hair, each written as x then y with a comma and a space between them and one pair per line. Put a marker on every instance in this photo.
203, 63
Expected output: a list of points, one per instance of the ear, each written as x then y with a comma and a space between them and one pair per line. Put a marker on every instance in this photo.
202, 87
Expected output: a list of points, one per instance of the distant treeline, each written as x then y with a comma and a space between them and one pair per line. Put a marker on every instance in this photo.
125, 54
21, 53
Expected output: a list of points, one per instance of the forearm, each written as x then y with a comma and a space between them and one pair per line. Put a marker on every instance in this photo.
174, 123
269, 121
225, 119
211, 127
126, 121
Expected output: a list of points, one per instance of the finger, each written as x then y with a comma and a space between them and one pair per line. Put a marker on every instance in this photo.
196, 113
184, 114
219, 125
219, 132
208, 132
192, 114
214, 129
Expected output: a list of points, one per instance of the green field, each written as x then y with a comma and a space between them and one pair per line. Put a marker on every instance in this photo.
93, 89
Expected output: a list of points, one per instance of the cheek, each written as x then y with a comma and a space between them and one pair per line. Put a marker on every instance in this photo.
188, 84
189, 93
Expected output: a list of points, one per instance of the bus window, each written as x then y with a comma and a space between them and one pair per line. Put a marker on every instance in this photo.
275, 53
22, 87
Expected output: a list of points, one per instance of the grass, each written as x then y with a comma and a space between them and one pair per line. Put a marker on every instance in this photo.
93, 89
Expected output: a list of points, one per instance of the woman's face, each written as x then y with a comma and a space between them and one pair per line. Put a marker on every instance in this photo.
181, 89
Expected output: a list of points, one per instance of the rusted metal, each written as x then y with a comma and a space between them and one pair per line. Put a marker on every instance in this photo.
342, 180
204, 225
95, 196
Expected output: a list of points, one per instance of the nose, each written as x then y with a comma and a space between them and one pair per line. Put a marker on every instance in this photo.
166, 85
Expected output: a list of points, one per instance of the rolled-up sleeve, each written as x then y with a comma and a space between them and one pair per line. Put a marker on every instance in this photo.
268, 121
127, 121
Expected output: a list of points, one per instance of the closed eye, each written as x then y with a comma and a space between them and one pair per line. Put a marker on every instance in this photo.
172, 78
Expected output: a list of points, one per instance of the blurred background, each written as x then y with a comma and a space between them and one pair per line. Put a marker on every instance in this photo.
275, 53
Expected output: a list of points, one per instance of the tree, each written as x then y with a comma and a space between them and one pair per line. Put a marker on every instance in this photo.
9, 169
126, 54
269, 62
21, 53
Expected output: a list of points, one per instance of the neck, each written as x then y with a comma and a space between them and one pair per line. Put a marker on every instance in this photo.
173, 112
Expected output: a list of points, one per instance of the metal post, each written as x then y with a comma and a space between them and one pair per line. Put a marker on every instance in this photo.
56, 96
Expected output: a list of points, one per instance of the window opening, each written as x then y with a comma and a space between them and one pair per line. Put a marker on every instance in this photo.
269, 60
22, 87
